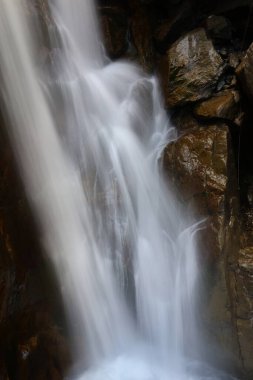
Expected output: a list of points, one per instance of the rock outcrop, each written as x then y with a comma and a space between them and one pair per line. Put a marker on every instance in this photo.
244, 311
200, 163
224, 105
114, 24
194, 68
245, 72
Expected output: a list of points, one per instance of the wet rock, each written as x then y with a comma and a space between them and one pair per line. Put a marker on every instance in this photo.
198, 160
184, 119
142, 36
244, 282
43, 356
224, 105
201, 165
245, 72
114, 24
194, 68
234, 59
162, 33
169, 29
219, 27
29, 299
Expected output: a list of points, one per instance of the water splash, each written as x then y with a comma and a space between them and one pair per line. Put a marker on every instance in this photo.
123, 249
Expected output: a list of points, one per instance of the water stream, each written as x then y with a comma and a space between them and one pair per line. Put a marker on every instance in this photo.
88, 136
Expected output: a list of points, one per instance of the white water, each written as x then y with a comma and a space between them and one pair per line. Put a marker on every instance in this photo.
123, 250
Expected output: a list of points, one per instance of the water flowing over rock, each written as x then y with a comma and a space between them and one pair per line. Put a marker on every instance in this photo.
214, 136
201, 163
114, 132
198, 161
194, 68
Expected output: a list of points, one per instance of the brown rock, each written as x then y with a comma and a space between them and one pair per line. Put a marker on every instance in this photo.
184, 120
234, 59
245, 72
28, 294
201, 164
194, 68
244, 286
224, 105
114, 24
170, 28
198, 160
142, 36
43, 356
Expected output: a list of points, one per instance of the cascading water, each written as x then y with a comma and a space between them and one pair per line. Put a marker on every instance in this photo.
123, 250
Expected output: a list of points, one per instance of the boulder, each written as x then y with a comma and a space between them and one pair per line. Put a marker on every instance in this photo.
194, 68
224, 105
198, 160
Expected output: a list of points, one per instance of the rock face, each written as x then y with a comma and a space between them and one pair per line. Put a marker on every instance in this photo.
245, 72
194, 68
219, 27
114, 24
197, 48
142, 36
32, 345
200, 163
225, 105
245, 290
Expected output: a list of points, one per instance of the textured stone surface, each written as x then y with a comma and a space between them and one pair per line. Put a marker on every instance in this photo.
201, 164
224, 105
194, 68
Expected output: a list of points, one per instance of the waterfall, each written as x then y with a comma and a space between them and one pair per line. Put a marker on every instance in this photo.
88, 136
